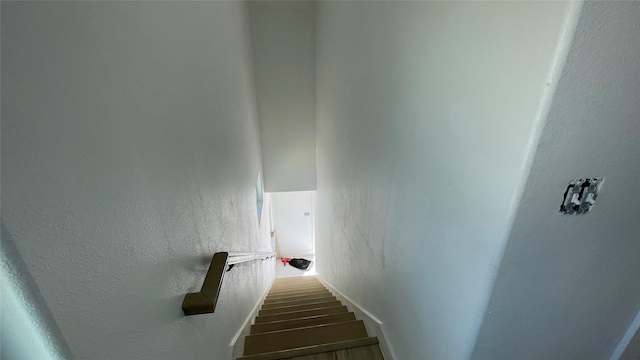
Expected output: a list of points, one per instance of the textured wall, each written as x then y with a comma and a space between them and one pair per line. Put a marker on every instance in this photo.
284, 62
568, 286
129, 156
425, 110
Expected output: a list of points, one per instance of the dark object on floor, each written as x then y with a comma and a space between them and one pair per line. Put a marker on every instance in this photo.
302, 264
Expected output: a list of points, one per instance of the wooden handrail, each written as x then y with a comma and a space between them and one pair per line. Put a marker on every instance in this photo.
204, 301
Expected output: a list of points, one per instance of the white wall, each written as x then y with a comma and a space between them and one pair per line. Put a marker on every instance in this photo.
569, 286
129, 156
425, 110
283, 41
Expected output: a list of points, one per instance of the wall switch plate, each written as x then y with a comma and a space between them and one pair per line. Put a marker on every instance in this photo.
580, 195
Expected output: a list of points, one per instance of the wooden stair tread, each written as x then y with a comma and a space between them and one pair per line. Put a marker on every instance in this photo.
295, 298
297, 283
298, 293
303, 322
315, 349
301, 314
300, 319
308, 306
306, 336
299, 296
283, 282
296, 290
369, 352
297, 302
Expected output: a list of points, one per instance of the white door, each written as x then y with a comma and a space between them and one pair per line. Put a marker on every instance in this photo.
293, 220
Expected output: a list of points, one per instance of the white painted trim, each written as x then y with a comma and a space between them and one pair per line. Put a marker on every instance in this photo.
626, 339
237, 347
373, 324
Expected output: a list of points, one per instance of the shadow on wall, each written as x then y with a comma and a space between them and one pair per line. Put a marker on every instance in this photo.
37, 317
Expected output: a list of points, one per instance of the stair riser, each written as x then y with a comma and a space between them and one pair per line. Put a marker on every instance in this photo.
298, 302
289, 339
309, 306
294, 324
301, 314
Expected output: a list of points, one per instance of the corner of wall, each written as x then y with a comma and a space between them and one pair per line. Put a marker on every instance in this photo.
569, 26
374, 326
40, 332
626, 339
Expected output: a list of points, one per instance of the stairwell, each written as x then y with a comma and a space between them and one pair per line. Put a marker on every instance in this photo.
301, 320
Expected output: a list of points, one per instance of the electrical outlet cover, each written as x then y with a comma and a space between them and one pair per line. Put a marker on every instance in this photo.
580, 195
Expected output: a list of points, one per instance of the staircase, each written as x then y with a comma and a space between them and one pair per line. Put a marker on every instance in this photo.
301, 320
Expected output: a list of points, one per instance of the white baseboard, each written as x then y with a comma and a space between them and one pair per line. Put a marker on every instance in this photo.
626, 339
373, 325
237, 343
